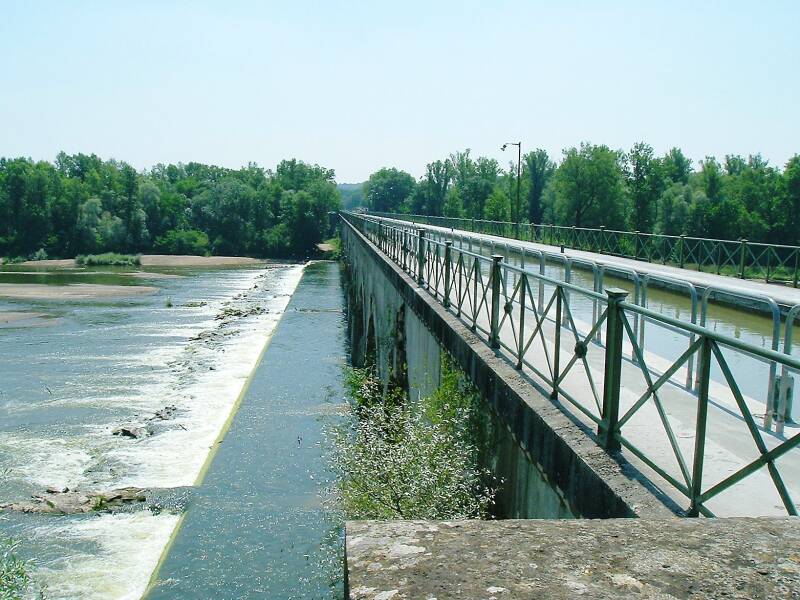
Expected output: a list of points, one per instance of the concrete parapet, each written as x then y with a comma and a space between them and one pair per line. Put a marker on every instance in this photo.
559, 559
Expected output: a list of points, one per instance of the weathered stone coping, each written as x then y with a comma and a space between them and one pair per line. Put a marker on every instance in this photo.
612, 558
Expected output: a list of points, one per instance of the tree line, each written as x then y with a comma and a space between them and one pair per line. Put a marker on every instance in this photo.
593, 185
81, 204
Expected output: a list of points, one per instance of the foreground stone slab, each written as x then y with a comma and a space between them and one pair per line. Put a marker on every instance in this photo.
613, 558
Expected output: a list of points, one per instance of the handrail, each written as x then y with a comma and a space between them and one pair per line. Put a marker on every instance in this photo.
784, 412
496, 299
741, 258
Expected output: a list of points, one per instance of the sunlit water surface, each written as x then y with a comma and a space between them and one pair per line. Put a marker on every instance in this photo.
70, 378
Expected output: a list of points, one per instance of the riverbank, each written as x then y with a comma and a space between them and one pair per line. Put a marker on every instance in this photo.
158, 260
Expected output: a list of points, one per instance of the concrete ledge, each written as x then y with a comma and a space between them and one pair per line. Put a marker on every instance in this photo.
595, 484
612, 558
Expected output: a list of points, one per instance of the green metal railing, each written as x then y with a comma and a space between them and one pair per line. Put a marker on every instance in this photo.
530, 318
774, 263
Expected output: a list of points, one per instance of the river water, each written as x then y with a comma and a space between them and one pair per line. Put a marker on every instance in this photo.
77, 369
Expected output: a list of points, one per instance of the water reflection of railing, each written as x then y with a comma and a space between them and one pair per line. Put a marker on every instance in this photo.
740, 258
531, 317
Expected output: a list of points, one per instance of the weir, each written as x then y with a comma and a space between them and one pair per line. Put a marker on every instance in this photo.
411, 300
255, 526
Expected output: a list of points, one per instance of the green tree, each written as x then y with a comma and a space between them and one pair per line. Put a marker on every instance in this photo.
674, 208
589, 187
711, 178
537, 169
791, 180
453, 206
645, 184
188, 241
758, 189
387, 189
676, 166
498, 206
434, 187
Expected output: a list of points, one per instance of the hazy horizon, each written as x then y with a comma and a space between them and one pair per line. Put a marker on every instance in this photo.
356, 87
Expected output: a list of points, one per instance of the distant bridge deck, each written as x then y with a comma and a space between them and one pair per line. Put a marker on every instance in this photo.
665, 403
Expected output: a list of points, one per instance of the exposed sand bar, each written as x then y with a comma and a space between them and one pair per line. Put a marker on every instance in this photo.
166, 260
50, 263
77, 291
161, 260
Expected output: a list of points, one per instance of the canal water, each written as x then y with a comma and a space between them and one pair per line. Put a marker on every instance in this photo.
75, 370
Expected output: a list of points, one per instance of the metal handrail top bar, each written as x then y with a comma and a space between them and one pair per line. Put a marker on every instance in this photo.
765, 353
399, 216
654, 277
508, 266
555, 282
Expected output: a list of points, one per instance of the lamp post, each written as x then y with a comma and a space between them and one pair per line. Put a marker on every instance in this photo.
519, 167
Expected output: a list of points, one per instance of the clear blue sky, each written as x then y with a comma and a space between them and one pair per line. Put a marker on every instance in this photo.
360, 85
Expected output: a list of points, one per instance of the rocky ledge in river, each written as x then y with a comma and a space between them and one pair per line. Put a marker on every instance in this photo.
131, 431
71, 502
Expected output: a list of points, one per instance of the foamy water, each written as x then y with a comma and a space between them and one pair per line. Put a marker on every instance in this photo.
123, 550
198, 364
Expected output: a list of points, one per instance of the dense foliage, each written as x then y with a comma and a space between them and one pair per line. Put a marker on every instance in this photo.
84, 205
15, 579
595, 185
109, 258
352, 195
398, 459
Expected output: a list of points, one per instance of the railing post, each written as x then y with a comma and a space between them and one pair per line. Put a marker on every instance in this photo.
742, 256
681, 249
574, 237
704, 369
636, 245
494, 328
557, 344
404, 249
796, 261
447, 274
769, 260
602, 239
523, 288
421, 256
613, 369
